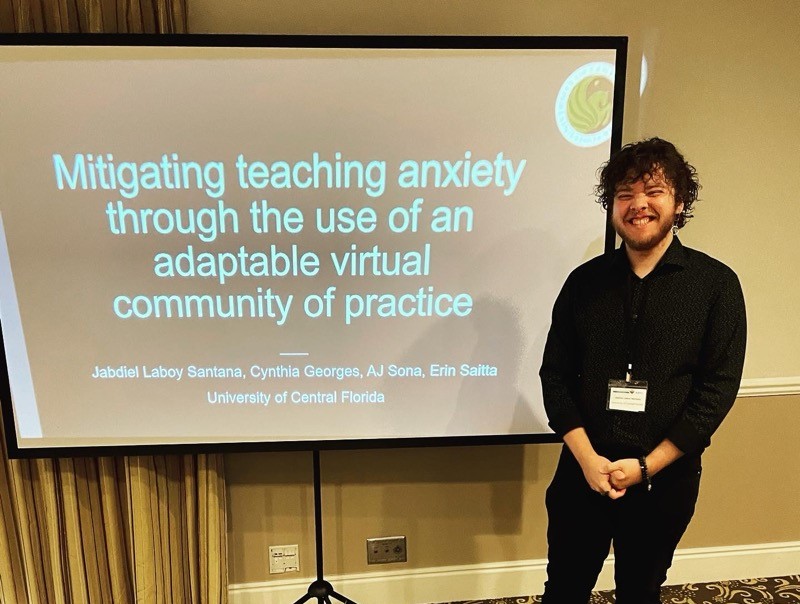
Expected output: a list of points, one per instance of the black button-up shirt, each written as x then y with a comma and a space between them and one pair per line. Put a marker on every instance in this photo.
683, 330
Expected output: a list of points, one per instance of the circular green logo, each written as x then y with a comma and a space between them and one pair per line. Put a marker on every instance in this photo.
589, 104
585, 103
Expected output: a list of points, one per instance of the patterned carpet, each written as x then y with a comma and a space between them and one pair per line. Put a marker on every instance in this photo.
784, 590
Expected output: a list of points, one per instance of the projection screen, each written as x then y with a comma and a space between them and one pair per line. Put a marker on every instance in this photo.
291, 242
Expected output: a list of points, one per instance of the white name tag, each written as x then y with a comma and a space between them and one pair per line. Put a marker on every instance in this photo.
627, 396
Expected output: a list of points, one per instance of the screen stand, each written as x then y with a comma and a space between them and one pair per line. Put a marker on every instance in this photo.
320, 589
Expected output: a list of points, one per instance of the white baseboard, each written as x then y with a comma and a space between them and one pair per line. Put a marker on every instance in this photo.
526, 577
777, 386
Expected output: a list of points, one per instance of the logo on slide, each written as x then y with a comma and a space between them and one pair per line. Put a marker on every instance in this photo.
584, 104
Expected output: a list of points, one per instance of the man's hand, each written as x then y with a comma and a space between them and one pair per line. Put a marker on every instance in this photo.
594, 466
624, 473
597, 471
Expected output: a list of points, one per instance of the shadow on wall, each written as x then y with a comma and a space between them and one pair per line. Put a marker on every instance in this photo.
481, 484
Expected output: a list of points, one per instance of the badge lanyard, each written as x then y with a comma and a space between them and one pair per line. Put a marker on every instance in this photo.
630, 395
635, 300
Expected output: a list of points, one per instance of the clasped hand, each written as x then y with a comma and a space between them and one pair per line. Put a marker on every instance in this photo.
611, 478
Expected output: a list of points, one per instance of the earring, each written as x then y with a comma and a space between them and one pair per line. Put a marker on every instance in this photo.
675, 226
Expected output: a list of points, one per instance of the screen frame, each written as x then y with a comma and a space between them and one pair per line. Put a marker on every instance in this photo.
617, 43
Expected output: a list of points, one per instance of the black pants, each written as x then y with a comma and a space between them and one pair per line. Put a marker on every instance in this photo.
645, 528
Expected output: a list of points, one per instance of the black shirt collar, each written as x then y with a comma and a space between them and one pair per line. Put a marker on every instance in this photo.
674, 256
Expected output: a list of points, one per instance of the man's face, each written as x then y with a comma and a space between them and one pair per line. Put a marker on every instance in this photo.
644, 211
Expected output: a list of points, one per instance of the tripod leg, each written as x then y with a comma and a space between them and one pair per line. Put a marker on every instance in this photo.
342, 598
305, 598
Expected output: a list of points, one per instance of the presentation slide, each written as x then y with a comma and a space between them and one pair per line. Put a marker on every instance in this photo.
224, 245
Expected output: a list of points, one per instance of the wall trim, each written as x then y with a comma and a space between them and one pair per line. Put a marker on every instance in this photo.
524, 577
770, 386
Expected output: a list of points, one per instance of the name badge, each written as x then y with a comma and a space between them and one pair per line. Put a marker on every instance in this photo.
627, 396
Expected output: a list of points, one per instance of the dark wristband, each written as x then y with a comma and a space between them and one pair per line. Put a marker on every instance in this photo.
645, 473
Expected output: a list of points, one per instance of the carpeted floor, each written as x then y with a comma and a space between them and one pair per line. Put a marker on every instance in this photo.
784, 590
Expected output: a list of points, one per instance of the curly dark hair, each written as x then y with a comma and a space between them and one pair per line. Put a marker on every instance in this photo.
637, 160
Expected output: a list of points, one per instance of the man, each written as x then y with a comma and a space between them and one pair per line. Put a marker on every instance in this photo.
642, 363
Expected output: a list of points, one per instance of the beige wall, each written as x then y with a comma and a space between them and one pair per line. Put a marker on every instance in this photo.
724, 85
471, 505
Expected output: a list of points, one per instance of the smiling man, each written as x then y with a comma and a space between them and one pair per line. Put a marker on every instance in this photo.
643, 361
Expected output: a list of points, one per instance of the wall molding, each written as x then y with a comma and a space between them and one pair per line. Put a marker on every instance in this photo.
525, 577
778, 386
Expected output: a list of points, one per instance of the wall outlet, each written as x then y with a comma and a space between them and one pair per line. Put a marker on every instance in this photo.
283, 559
382, 550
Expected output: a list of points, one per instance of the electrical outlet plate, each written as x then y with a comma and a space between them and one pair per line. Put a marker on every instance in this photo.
383, 550
283, 559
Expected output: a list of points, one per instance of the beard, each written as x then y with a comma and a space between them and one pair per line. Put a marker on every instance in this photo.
645, 242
